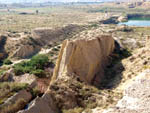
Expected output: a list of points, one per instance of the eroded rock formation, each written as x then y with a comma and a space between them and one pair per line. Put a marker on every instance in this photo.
85, 57
80, 62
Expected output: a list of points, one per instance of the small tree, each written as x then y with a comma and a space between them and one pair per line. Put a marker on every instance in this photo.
8, 9
37, 11
34, 66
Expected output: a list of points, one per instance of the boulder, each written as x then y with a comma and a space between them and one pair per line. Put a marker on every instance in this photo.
26, 51
85, 57
20, 99
44, 104
7, 76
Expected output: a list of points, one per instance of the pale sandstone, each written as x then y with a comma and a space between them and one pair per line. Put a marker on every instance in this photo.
86, 57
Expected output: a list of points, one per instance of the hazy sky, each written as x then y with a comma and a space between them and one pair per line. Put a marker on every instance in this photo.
18, 1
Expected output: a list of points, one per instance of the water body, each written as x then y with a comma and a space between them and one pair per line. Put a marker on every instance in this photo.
141, 22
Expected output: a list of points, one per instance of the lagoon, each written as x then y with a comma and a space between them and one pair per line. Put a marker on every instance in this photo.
141, 22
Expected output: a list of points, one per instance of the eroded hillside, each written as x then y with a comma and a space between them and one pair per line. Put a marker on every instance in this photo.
94, 66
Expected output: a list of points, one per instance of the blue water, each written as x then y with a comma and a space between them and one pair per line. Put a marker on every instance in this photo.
140, 23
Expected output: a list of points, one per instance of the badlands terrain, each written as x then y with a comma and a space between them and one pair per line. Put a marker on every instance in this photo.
74, 58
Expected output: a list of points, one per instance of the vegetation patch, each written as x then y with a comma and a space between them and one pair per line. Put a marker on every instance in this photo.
35, 66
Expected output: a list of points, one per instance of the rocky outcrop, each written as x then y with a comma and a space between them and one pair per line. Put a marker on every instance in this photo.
26, 51
86, 57
7, 76
42, 105
123, 19
110, 20
16, 102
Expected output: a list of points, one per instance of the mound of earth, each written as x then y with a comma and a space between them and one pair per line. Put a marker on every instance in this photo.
45, 36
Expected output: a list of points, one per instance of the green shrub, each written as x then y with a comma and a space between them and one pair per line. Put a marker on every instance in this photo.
38, 61
34, 66
7, 62
20, 86
40, 73
19, 68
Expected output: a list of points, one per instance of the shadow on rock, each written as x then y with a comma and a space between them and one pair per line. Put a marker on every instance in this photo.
2, 49
113, 72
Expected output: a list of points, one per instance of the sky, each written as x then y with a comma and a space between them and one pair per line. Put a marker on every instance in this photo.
21, 1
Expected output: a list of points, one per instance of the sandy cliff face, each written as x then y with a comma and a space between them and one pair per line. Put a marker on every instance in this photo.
85, 58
